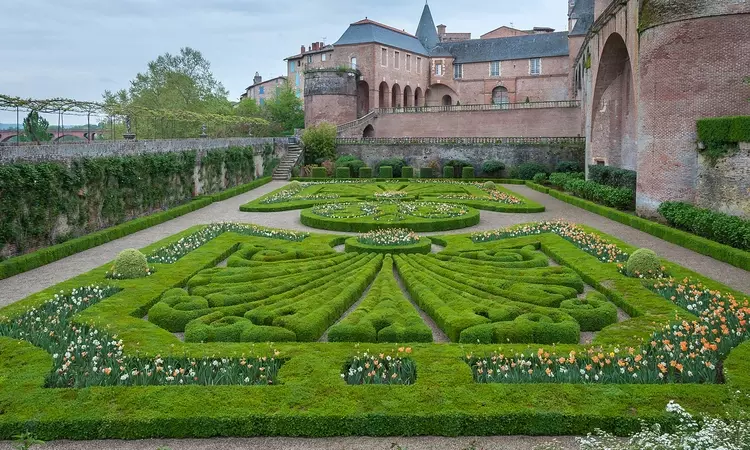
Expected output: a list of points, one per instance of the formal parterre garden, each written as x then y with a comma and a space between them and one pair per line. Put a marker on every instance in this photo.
234, 329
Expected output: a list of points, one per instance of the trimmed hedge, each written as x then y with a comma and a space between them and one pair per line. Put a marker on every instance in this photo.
407, 172
620, 198
426, 172
723, 228
526, 171
24, 263
319, 172
467, 172
448, 172
424, 246
613, 176
365, 224
365, 172
721, 252
343, 172
719, 133
385, 172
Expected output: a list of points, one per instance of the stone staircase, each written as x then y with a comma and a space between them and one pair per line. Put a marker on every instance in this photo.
284, 169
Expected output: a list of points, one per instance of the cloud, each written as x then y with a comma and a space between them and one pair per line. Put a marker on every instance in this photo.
79, 48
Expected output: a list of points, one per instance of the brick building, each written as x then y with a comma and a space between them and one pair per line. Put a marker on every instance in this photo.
262, 91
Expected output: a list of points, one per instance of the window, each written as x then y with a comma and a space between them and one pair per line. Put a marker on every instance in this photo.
458, 71
396, 60
439, 69
292, 67
324, 57
495, 69
262, 101
419, 64
262, 90
309, 59
354, 62
384, 57
408, 63
535, 66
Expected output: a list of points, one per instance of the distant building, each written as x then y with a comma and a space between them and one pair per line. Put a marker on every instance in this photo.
261, 91
316, 56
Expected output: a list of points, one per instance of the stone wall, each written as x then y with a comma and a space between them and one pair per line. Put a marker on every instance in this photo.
330, 96
421, 155
725, 185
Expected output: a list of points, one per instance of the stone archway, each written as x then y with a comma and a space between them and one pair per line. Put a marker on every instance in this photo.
369, 131
396, 100
384, 96
447, 100
613, 124
418, 97
363, 98
439, 94
408, 98
500, 95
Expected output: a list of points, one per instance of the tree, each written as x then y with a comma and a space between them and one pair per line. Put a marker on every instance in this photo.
319, 142
35, 128
285, 112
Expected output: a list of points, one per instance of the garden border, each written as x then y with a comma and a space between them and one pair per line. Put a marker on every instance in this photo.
424, 246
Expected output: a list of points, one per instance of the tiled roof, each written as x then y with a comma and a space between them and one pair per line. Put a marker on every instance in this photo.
501, 49
426, 31
583, 11
370, 31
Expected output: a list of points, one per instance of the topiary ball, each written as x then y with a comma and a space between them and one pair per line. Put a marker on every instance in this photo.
131, 263
489, 185
295, 185
643, 262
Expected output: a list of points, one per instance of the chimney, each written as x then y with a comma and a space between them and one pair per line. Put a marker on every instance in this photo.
315, 46
441, 29
302, 49
258, 79
543, 30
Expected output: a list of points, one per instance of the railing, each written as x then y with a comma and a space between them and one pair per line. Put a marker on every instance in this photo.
492, 107
461, 140
355, 123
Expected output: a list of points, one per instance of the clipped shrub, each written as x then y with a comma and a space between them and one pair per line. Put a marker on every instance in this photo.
396, 165
350, 161
620, 198
319, 142
643, 262
613, 176
722, 134
540, 178
365, 172
730, 230
526, 171
592, 313
489, 185
448, 172
294, 186
568, 167
343, 172
467, 172
385, 172
319, 172
426, 172
130, 263
458, 165
407, 172
493, 167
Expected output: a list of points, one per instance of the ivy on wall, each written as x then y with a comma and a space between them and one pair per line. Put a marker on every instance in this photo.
47, 203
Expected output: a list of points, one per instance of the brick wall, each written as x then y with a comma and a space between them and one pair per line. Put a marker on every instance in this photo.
421, 155
550, 122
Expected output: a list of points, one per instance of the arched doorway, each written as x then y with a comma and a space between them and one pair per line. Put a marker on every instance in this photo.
369, 131
439, 94
407, 97
418, 97
396, 96
500, 96
613, 126
363, 98
447, 100
384, 95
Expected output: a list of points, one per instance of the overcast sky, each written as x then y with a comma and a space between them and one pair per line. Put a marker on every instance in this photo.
78, 48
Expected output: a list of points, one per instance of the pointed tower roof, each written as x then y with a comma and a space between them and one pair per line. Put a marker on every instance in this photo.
426, 32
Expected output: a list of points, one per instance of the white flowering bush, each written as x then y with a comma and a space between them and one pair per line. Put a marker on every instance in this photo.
709, 433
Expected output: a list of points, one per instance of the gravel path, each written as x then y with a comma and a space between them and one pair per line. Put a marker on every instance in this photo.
343, 443
20, 286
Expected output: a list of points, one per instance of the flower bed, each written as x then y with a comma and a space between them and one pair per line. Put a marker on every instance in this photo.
393, 237
382, 368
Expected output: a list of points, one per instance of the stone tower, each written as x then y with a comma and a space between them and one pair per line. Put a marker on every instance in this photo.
330, 96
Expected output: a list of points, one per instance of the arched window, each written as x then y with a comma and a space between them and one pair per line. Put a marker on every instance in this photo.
354, 62
500, 96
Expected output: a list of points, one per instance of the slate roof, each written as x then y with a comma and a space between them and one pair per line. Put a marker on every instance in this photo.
584, 12
426, 31
370, 31
502, 49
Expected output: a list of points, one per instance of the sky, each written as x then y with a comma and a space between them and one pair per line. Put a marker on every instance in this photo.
80, 48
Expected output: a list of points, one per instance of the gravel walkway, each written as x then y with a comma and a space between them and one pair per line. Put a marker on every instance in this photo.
343, 443
20, 286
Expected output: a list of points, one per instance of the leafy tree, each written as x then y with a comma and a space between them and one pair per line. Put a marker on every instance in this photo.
285, 112
319, 142
35, 128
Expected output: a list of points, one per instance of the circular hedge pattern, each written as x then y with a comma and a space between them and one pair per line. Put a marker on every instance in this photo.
368, 216
424, 246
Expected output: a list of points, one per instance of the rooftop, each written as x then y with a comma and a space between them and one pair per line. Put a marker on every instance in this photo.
264, 82
501, 49
366, 31
583, 11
